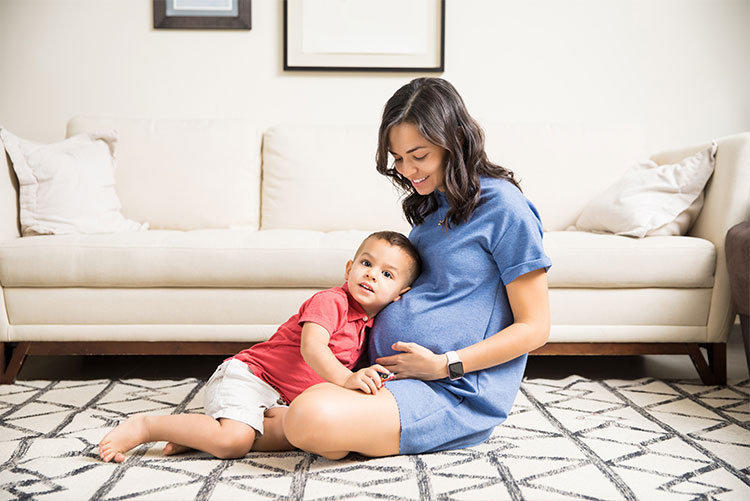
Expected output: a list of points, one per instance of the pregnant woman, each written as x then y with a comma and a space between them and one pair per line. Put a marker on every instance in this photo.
458, 340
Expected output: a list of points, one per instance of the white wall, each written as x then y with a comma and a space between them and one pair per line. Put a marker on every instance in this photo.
678, 69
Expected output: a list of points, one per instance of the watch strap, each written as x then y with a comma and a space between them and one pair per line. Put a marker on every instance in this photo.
452, 357
455, 366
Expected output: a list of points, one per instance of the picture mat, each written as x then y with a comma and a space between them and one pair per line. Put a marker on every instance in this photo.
214, 8
364, 28
296, 57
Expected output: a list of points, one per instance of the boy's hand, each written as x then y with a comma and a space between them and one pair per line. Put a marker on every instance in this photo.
367, 380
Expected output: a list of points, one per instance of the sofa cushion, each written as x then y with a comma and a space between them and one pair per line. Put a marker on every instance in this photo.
213, 305
651, 199
199, 258
561, 166
68, 186
309, 170
303, 258
185, 174
582, 259
153, 305
324, 179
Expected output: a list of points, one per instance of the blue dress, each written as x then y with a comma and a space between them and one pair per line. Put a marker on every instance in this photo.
459, 300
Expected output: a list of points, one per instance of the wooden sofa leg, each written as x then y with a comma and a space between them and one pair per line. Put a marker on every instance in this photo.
745, 328
713, 371
12, 358
717, 357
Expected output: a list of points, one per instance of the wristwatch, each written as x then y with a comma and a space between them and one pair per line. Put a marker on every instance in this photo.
455, 366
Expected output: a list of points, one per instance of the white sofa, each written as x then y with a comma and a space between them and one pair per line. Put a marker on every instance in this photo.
246, 224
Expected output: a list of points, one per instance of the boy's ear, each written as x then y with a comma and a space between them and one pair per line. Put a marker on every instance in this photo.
348, 269
401, 293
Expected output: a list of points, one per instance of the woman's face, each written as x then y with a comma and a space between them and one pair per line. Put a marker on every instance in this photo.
417, 159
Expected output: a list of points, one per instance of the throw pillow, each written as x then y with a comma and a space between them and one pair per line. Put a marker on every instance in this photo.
68, 186
652, 199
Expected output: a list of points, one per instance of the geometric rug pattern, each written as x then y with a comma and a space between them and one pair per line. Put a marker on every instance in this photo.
565, 439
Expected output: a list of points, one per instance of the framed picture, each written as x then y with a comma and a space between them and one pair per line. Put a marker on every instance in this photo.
364, 35
202, 14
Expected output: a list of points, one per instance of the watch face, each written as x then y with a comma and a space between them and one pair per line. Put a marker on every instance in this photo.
456, 370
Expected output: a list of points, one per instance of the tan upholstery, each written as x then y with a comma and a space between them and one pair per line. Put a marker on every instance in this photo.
307, 186
185, 174
727, 203
582, 259
233, 251
562, 167
302, 258
10, 225
52, 306
200, 258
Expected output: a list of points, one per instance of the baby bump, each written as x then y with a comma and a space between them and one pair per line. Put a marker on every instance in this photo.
439, 325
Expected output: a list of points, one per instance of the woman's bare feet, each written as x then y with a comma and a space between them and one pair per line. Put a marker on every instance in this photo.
171, 448
131, 433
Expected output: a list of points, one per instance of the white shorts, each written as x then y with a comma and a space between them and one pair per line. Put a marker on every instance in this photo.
234, 392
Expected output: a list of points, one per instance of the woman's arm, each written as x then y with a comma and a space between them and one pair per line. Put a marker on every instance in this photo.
317, 354
529, 301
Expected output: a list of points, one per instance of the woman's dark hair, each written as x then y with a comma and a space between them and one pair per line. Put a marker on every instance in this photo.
399, 240
438, 112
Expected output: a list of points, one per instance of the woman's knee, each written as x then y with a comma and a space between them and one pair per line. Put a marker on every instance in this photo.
331, 421
308, 418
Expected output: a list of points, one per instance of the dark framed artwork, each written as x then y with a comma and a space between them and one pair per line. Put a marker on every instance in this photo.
202, 14
364, 35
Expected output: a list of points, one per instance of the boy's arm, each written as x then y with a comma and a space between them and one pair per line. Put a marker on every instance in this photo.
318, 355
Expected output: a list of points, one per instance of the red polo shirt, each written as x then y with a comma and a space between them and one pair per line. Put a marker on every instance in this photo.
279, 361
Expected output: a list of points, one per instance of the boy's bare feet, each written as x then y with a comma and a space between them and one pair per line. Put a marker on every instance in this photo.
171, 448
131, 433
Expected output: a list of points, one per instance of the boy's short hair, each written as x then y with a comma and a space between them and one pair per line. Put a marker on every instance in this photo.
399, 240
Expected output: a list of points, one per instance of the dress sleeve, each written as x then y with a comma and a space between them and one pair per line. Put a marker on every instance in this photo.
518, 248
326, 309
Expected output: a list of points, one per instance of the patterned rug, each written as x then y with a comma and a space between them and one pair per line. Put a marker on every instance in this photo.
566, 439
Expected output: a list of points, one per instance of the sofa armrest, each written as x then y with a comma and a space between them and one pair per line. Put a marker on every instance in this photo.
9, 222
727, 203
10, 226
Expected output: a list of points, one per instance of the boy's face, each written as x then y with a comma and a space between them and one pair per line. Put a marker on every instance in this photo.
378, 275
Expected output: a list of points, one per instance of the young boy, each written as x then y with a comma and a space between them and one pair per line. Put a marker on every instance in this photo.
322, 342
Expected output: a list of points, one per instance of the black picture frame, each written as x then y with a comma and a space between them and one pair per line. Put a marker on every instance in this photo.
242, 21
292, 48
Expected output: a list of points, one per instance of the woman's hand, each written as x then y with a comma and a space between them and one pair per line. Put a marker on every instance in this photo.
415, 362
366, 380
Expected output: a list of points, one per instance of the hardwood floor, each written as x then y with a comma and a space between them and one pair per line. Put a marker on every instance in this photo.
549, 367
